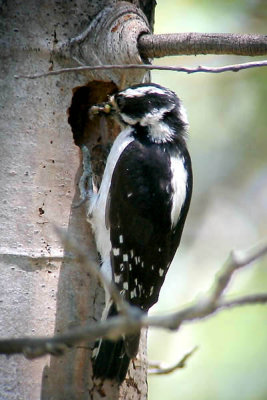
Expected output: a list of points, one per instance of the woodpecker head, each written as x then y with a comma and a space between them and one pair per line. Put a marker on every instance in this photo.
152, 107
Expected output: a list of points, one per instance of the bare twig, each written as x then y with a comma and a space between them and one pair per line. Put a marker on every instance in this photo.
160, 369
189, 70
236, 260
133, 321
212, 301
33, 347
192, 43
260, 298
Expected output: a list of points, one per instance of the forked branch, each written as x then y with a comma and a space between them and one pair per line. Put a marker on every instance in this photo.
131, 321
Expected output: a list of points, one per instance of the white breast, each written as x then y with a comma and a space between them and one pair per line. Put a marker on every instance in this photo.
98, 202
179, 179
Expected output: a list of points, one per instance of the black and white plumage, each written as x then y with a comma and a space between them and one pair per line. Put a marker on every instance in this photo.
139, 212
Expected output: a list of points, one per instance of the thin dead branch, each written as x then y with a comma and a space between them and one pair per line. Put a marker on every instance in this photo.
161, 369
188, 70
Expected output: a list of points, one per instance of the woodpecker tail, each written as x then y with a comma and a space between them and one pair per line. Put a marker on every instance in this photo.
111, 359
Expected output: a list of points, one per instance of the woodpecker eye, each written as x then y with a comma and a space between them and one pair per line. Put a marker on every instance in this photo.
120, 100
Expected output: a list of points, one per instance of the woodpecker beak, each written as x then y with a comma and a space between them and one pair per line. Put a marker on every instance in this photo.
107, 108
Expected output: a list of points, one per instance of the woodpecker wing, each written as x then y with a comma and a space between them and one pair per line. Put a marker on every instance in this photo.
143, 237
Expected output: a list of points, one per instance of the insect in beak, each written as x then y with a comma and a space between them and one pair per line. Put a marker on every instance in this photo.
100, 108
108, 108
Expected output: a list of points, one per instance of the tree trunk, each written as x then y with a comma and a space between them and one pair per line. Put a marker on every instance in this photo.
43, 291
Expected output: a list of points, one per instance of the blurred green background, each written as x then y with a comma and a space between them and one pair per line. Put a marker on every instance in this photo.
228, 144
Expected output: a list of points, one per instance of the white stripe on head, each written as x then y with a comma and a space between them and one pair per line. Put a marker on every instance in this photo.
144, 90
149, 119
155, 115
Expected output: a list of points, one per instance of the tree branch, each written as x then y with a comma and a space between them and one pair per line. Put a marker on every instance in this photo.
189, 70
174, 44
260, 298
134, 321
213, 301
160, 369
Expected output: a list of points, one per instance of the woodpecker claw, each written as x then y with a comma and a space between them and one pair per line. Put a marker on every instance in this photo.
86, 180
